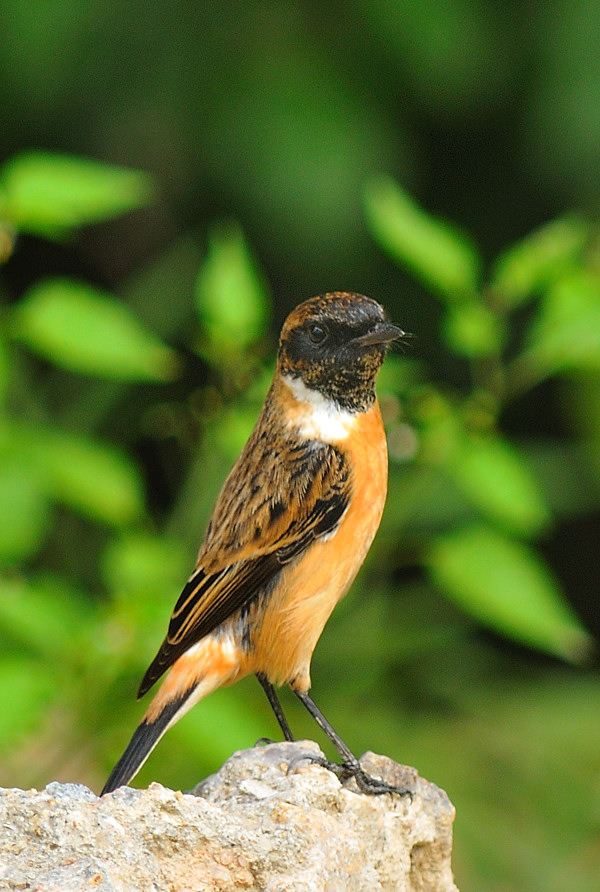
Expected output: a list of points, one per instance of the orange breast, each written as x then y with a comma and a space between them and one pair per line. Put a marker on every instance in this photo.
309, 590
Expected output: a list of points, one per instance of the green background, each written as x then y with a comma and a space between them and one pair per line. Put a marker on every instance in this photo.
442, 158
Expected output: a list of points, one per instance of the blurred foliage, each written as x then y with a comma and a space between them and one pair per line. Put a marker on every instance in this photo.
49, 194
137, 339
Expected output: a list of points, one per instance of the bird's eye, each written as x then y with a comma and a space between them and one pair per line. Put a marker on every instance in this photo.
317, 333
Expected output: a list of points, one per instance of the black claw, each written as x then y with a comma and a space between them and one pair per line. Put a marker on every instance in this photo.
264, 741
372, 786
307, 757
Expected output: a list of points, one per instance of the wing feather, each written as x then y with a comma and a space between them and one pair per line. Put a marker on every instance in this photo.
271, 507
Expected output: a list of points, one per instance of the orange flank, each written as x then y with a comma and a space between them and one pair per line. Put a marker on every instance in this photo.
213, 662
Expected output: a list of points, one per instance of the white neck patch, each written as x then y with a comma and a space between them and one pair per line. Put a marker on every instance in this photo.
319, 418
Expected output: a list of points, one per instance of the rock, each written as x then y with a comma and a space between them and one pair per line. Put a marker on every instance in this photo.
255, 825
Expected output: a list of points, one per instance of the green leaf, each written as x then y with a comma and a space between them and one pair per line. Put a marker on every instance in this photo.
443, 258
230, 293
90, 476
27, 689
143, 561
6, 368
49, 194
145, 573
88, 331
495, 478
565, 336
25, 508
471, 329
45, 614
537, 260
505, 585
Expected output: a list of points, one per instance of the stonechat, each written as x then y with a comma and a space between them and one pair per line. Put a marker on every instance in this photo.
289, 531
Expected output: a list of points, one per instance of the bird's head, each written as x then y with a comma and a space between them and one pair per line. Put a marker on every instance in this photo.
335, 344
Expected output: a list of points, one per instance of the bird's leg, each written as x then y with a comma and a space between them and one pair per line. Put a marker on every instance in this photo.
350, 766
275, 705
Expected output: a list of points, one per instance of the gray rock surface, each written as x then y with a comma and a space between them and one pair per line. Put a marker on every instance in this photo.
255, 825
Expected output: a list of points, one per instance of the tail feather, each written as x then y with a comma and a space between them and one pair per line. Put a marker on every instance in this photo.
213, 661
144, 739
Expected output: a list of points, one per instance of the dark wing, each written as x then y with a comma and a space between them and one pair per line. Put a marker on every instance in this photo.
272, 506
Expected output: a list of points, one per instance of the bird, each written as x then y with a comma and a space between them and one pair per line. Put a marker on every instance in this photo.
288, 533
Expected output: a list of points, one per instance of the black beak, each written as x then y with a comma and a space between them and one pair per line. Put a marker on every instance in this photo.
383, 333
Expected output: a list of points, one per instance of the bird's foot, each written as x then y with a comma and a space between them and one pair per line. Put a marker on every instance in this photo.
366, 783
